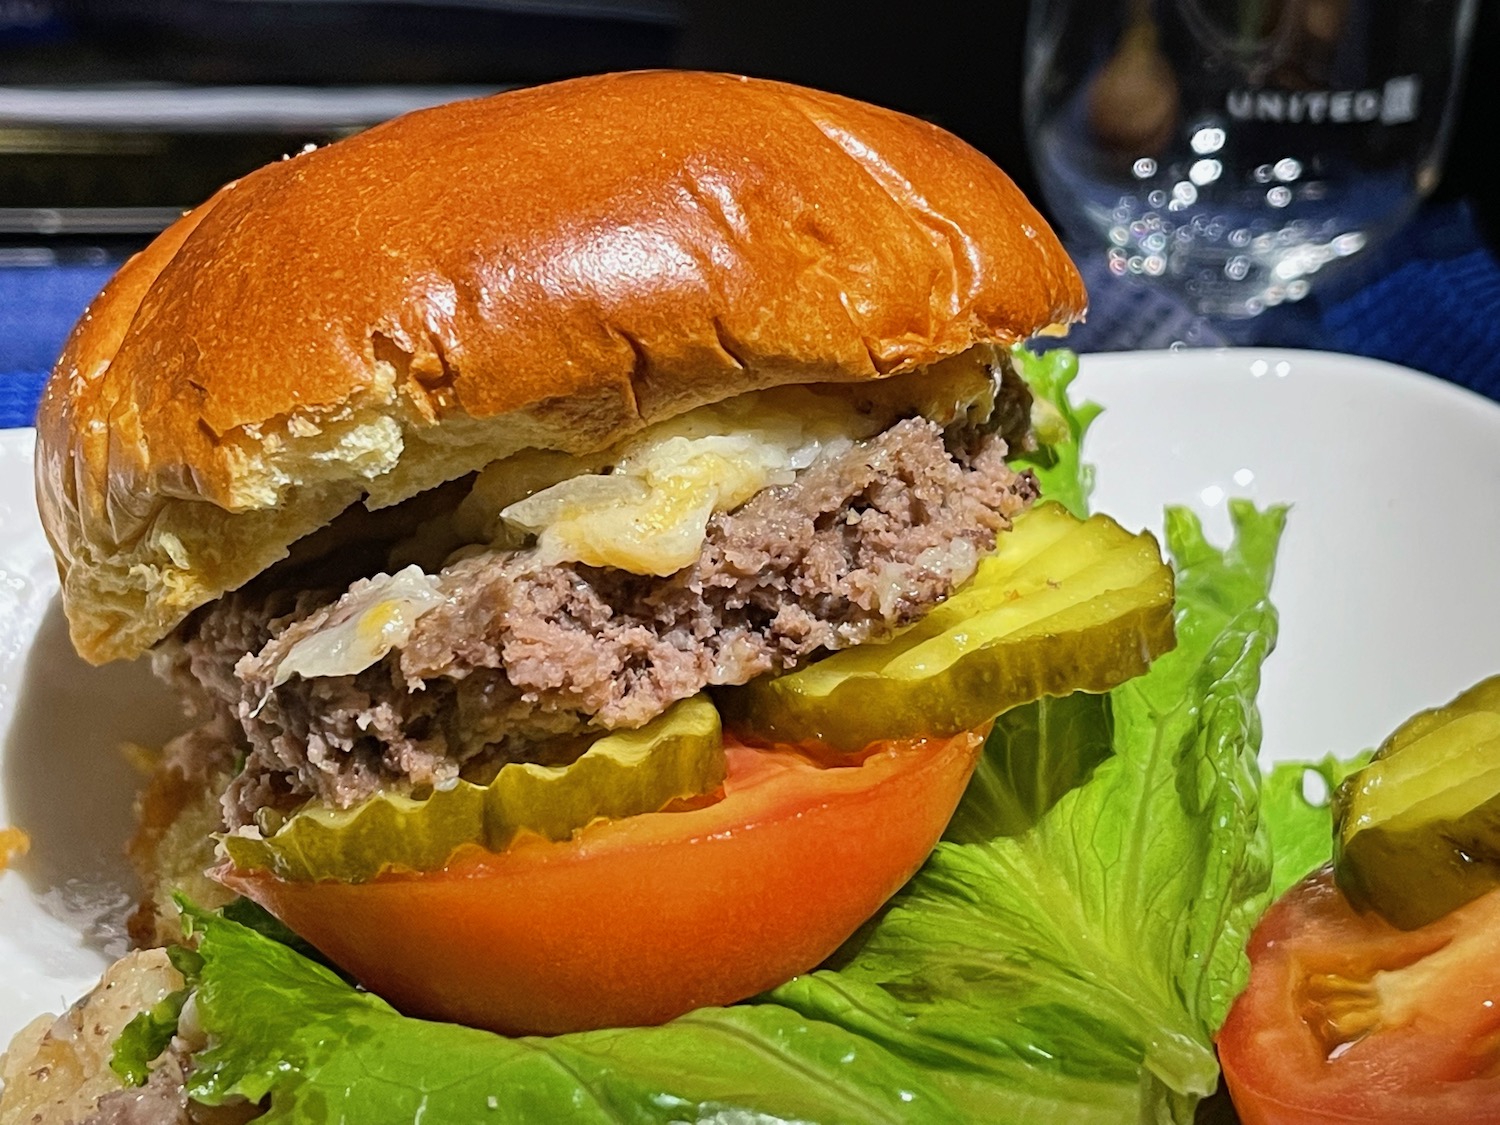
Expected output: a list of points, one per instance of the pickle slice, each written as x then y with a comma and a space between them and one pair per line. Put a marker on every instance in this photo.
677, 755
1062, 605
1417, 831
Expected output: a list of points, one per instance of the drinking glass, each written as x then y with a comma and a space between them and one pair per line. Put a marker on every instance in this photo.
1236, 152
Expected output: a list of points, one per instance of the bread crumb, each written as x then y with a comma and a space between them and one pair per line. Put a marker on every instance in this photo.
142, 759
13, 844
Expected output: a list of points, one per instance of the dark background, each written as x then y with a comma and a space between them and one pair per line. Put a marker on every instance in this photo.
959, 64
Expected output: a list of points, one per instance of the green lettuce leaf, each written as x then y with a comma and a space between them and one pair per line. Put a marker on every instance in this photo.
1034, 755
1060, 427
145, 1037
1301, 830
286, 1027
1067, 960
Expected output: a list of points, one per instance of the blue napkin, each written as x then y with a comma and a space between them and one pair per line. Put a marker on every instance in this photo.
1433, 303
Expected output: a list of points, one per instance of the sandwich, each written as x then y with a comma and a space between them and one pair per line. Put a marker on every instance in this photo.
591, 529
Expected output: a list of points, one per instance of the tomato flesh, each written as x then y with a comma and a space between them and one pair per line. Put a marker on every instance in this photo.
639, 920
1349, 1020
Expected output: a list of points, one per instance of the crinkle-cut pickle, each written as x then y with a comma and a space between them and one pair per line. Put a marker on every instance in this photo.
1417, 831
679, 754
1062, 605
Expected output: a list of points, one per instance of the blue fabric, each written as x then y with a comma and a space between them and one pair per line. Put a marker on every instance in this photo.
1429, 299
1433, 304
38, 306
19, 392
1437, 316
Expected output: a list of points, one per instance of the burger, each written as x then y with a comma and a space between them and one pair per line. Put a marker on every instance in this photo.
532, 498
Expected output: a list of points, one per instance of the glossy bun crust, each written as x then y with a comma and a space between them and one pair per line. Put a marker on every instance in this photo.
553, 267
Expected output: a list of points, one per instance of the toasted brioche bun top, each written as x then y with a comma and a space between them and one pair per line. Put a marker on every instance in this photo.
551, 267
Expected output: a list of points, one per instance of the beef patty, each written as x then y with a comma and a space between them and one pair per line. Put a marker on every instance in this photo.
522, 655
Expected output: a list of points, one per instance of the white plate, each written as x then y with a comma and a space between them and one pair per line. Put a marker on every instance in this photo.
1388, 580
63, 778
1387, 585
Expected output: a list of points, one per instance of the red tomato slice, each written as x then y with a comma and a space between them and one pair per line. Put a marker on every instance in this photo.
636, 921
1349, 1020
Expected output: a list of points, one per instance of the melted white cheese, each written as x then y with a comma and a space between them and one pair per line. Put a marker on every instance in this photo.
649, 513
365, 625
648, 510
